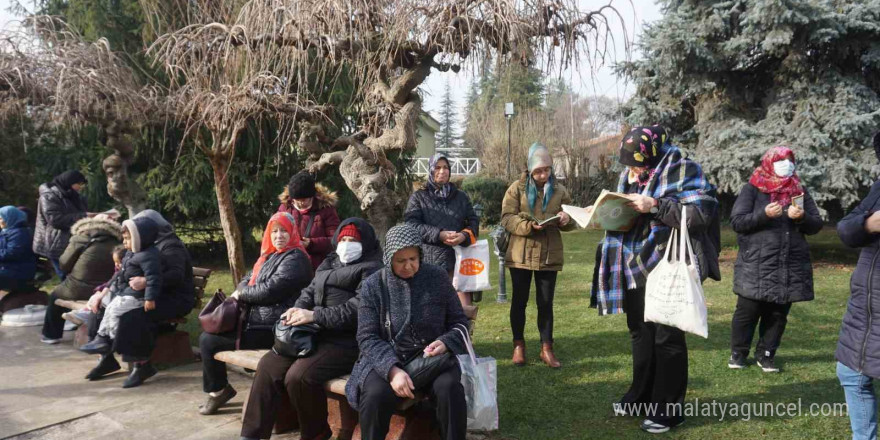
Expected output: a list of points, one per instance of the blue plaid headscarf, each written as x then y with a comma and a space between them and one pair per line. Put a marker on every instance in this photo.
628, 257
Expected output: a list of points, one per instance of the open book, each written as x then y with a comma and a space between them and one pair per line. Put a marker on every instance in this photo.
546, 220
611, 212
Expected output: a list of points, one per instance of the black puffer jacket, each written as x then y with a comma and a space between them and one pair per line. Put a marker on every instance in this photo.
333, 292
432, 215
773, 264
142, 261
277, 288
177, 274
57, 211
858, 346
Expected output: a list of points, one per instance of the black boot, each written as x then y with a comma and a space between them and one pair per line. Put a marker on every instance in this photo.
99, 345
139, 374
105, 366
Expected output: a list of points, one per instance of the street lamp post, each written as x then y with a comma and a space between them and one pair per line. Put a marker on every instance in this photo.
502, 284
508, 114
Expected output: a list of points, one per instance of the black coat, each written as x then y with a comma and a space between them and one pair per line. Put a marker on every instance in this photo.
277, 288
773, 264
177, 273
57, 211
145, 262
332, 294
432, 215
858, 346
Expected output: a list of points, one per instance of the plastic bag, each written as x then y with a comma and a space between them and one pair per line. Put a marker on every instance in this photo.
479, 377
674, 293
472, 267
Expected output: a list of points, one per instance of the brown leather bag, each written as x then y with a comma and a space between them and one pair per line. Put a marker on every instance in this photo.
220, 315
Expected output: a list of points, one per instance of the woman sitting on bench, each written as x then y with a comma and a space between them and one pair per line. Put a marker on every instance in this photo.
331, 301
273, 286
409, 311
17, 261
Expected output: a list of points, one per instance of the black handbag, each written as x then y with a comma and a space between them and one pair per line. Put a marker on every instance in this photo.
295, 341
421, 370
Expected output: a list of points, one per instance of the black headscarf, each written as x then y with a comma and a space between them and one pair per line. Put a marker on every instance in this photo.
67, 179
643, 146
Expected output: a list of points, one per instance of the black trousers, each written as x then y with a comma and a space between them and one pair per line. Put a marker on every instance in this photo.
300, 380
378, 401
770, 318
660, 363
213, 371
53, 323
545, 287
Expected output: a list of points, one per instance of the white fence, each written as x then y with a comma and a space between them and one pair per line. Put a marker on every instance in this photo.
466, 166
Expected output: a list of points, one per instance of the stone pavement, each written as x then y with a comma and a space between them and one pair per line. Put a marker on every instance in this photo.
43, 396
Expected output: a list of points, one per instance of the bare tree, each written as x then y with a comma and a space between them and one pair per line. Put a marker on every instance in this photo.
47, 68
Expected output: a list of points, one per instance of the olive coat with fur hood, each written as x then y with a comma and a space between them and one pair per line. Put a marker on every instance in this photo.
88, 258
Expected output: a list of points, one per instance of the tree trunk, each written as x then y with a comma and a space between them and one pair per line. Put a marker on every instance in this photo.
231, 231
120, 185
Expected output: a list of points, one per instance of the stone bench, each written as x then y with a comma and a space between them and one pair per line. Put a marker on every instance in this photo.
172, 347
411, 420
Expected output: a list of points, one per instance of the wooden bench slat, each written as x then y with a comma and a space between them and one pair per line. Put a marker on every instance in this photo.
251, 358
72, 305
201, 272
200, 283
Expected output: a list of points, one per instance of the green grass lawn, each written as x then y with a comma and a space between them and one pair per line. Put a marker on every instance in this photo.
575, 402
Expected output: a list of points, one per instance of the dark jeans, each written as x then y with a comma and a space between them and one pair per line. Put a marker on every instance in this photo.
545, 287
378, 401
300, 380
136, 336
213, 371
660, 362
53, 323
749, 312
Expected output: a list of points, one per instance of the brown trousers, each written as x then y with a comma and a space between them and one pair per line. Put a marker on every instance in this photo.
302, 380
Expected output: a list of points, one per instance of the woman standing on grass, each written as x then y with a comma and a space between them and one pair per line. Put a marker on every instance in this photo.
858, 362
533, 250
773, 267
660, 180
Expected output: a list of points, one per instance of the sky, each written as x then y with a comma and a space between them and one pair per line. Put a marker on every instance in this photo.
585, 80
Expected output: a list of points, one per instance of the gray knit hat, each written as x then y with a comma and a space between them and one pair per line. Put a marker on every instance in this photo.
399, 237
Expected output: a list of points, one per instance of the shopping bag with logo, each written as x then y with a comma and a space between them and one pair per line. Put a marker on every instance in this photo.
479, 378
674, 294
472, 267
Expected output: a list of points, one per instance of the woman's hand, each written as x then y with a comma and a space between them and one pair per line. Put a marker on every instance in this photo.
773, 210
137, 283
300, 316
795, 213
436, 348
286, 315
306, 242
640, 203
563, 218
401, 383
95, 300
455, 240
536, 226
149, 305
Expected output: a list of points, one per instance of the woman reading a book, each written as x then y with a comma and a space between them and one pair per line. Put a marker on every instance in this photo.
659, 180
773, 267
535, 248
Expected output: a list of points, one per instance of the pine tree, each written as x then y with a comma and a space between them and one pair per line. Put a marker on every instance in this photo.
734, 78
447, 137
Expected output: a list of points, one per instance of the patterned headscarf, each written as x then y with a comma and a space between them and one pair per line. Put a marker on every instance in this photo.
267, 248
441, 191
765, 179
400, 237
643, 146
539, 157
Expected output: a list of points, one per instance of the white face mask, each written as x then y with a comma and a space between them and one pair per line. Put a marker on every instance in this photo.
783, 168
349, 251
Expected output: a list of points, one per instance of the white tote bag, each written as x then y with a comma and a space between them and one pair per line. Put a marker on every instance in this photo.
472, 267
479, 378
674, 294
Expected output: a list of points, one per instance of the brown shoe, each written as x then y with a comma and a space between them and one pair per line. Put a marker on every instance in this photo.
519, 353
547, 355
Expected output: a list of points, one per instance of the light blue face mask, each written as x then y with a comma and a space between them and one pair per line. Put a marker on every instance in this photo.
783, 168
